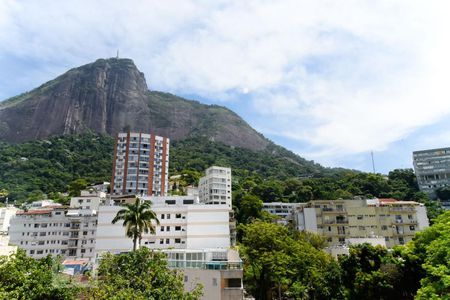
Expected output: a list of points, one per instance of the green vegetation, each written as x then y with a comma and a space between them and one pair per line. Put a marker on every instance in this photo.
137, 219
279, 263
141, 274
287, 265
31, 169
22, 277
69, 163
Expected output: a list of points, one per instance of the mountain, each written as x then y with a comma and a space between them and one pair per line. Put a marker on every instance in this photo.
110, 96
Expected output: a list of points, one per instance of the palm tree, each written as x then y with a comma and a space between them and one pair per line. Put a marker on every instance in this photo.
137, 219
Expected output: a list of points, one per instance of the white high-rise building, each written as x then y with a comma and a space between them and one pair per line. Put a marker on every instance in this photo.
140, 165
215, 186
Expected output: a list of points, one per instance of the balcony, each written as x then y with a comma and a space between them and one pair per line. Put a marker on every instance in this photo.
333, 210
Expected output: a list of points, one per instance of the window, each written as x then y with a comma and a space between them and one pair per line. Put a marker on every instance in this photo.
412, 228
186, 279
42, 233
178, 216
162, 228
168, 228
401, 240
85, 232
162, 216
40, 252
177, 228
383, 227
168, 216
177, 241
360, 217
161, 241
31, 251
167, 241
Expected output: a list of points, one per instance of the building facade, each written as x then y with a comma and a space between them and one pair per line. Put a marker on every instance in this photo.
55, 230
184, 224
340, 220
218, 270
89, 199
6, 213
215, 186
432, 168
140, 165
285, 211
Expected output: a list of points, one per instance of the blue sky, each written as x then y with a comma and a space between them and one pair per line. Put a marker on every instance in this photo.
329, 80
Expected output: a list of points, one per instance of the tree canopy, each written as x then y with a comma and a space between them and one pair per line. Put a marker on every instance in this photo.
141, 274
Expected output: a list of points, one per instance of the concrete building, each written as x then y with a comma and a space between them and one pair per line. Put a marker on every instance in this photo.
215, 186
432, 168
55, 230
338, 220
184, 224
5, 248
218, 270
6, 213
285, 211
89, 199
140, 165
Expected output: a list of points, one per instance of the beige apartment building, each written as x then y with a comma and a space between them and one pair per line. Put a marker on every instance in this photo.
340, 220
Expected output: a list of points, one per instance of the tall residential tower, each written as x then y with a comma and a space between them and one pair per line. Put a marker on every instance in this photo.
215, 186
140, 165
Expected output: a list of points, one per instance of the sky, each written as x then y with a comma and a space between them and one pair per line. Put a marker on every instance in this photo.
330, 80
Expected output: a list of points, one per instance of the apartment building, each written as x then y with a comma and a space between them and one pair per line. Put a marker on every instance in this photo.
340, 220
285, 211
6, 213
90, 199
184, 224
55, 230
218, 270
140, 165
215, 186
432, 168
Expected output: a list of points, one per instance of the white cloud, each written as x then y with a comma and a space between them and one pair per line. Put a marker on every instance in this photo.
343, 77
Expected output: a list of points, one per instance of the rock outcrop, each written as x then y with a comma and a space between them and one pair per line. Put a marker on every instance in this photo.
111, 95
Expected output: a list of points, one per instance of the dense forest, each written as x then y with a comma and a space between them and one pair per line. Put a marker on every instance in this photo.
64, 164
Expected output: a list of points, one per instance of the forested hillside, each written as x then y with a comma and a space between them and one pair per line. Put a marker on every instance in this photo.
31, 169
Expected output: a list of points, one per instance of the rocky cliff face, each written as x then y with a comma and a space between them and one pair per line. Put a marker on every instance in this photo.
109, 96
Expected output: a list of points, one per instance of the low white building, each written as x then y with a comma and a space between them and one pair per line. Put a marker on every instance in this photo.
218, 270
89, 199
184, 224
285, 211
5, 247
55, 230
6, 213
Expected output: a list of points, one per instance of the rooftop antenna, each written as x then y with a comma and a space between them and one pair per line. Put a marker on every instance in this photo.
117, 54
373, 162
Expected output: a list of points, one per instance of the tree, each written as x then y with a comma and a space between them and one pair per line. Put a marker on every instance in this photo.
278, 264
250, 208
432, 246
23, 277
137, 219
76, 186
141, 274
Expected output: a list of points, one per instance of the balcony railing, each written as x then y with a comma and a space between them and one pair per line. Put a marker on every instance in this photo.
210, 265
